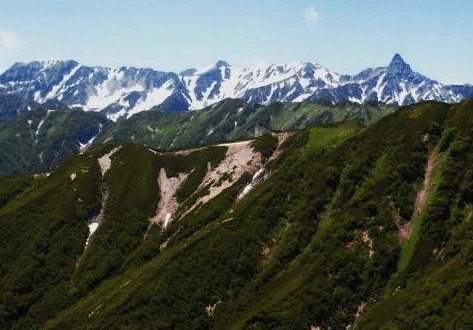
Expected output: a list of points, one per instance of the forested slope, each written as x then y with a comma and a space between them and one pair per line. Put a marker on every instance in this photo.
334, 226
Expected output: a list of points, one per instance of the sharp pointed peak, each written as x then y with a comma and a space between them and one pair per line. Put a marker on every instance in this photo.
397, 59
398, 64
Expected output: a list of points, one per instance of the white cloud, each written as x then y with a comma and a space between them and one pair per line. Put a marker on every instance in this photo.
9, 39
311, 15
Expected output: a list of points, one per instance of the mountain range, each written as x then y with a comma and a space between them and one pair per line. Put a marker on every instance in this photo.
120, 93
37, 137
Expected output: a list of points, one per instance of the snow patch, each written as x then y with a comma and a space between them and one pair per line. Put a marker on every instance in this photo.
255, 180
231, 144
39, 126
403, 93
116, 115
54, 91
167, 219
37, 96
92, 228
154, 97
354, 100
95, 222
110, 91
245, 191
83, 146
258, 173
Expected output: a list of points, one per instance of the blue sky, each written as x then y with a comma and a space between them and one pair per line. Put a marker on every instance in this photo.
434, 37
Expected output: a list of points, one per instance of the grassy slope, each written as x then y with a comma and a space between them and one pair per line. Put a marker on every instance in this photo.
331, 136
232, 120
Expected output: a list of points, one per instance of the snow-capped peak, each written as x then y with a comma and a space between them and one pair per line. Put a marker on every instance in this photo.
398, 66
120, 93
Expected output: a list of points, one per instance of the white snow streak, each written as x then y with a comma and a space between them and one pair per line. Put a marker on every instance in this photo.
54, 91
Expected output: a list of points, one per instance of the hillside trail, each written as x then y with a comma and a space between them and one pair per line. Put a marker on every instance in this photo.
421, 197
423, 192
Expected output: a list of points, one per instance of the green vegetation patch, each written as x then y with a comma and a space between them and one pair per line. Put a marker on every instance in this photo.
10, 187
331, 136
265, 144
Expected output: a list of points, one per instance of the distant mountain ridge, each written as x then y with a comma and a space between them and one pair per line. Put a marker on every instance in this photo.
38, 137
122, 92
